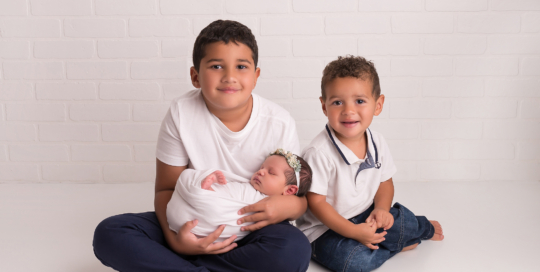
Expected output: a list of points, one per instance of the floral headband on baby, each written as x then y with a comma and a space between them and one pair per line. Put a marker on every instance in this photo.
293, 162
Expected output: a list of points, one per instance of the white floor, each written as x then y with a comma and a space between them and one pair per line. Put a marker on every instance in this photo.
489, 226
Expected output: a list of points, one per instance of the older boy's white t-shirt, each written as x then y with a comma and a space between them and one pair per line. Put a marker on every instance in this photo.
349, 183
191, 135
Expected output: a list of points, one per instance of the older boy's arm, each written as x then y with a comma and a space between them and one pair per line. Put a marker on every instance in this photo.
383, 202
363, 233
184, 241
273, 210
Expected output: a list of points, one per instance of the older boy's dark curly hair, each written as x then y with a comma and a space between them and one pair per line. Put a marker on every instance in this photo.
224, 31
305, 177
351, 66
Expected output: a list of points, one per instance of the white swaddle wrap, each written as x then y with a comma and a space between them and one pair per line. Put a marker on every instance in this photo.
211, 208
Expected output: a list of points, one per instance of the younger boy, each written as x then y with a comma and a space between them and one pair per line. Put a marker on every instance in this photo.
350, 222
219, 125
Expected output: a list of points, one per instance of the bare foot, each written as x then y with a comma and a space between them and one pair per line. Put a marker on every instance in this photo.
438, 236
216, 176
409, 247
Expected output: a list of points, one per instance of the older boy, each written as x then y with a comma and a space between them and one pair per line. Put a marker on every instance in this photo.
350, 221
220, 125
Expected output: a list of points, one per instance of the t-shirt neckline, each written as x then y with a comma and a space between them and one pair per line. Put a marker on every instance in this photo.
225, 131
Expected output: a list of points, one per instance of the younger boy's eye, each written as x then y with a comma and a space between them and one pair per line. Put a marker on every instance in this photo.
337, 103
360, 101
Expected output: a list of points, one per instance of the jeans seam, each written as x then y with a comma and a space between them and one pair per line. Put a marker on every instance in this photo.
402, 231
349, 258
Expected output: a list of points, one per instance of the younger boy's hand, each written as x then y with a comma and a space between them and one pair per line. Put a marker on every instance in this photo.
188, 243
365, 234
382, 217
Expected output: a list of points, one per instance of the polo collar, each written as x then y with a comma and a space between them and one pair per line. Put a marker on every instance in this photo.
347, 155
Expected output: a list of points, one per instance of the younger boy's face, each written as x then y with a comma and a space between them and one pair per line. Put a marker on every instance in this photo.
350, 107
226, 76
270, 179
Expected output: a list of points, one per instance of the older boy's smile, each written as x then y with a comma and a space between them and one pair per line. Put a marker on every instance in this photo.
226, 76
228, 90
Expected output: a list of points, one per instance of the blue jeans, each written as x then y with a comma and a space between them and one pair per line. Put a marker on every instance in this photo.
339, 253
135, 242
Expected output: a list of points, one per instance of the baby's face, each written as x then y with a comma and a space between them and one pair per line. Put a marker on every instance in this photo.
270, 179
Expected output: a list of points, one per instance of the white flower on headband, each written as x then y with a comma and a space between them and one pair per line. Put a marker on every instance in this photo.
290, 157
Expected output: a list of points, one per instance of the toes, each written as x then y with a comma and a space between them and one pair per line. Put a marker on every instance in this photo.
437, 226
437, 237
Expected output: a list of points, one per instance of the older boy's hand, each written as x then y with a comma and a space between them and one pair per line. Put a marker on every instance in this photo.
187, 243
382, 217
366, 234
270, 210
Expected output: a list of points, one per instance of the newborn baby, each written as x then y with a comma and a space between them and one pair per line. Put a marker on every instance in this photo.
215, 197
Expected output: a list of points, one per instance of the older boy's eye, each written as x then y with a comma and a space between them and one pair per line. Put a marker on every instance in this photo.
241, 67
216, 66
360, 101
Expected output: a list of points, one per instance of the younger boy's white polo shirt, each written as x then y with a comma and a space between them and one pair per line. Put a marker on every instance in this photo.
349, 183
191, 135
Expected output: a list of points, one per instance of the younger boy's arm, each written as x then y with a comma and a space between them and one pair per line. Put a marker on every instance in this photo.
383, 202
363, 233
272, 210
184, 241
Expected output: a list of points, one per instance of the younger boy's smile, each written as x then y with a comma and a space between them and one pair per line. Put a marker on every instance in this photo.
350, 107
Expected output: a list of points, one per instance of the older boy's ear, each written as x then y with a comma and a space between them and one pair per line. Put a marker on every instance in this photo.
379, 105
257, 74
323, 105
291, 190
194, 77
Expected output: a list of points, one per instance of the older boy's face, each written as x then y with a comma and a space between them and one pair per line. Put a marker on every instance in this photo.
226, 76
271, 179
350, 107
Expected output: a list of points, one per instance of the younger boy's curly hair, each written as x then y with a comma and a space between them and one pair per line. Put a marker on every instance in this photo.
305, 177
351, 66
224, 31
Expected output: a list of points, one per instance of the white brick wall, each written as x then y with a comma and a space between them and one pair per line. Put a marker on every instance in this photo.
84, 84
14, 49
61, 7
125, 7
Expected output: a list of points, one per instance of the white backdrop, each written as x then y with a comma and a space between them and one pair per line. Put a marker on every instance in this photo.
84, 84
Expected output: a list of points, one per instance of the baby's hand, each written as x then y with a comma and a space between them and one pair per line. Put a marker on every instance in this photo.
382, 217
216, 176
367, 236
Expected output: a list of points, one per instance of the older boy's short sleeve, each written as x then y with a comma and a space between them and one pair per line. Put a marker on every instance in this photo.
388, 168
170, 148
290, 137
322, 169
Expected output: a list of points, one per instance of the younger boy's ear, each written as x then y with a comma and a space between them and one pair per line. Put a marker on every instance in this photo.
379, 105
291, 190
194, 77
323, 105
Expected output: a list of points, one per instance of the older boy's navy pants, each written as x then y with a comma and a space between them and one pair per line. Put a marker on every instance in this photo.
343, 254
135, 242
